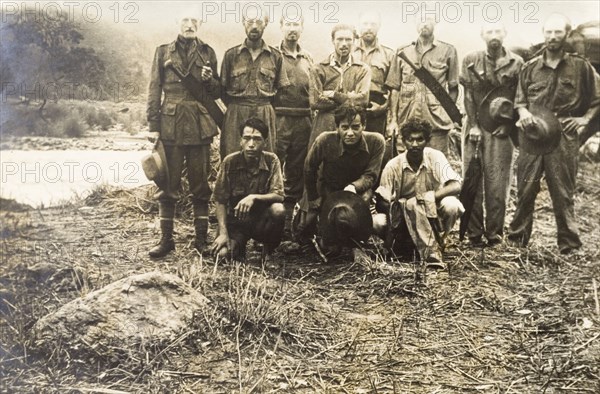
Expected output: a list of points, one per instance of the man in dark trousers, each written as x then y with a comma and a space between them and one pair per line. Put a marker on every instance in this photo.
565, 84
498, 69
249, 195
293, 112
183, 125
251, 74
347, 159
380, 58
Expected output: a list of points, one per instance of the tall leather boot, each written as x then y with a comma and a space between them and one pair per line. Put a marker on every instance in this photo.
200, 224
166, 243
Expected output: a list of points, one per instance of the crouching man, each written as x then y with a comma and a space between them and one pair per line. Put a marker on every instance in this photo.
418, 192
248, 194
348, 159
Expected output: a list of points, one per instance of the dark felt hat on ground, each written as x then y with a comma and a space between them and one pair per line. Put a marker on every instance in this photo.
345, 217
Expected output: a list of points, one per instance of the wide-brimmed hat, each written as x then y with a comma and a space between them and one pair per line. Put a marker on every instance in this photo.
345, 217
496, 109
155, 166
542, 137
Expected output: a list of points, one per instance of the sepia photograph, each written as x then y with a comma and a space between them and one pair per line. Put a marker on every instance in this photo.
309, 196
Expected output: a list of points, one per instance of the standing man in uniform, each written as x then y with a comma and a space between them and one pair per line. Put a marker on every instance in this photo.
379, 58
183, 126
292, 108
565, 84
410, 97
251, 73
498, 70
338, 80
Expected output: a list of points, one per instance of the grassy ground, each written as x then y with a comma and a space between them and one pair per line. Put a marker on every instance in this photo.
498, 320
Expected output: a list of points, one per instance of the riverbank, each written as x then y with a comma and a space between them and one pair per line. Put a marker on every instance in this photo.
499, 319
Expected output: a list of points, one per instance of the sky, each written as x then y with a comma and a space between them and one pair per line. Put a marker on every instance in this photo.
459, 21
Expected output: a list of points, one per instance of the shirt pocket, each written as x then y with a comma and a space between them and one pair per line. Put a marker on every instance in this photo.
239, 79
167, 120
565, 90
535, 90
378, 71
507, 78
266, 79
438, 70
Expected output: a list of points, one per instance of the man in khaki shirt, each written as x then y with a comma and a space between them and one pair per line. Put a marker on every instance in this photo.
499, 69
410, 97
338, 80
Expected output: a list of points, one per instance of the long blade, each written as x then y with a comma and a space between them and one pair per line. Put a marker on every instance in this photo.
438, 90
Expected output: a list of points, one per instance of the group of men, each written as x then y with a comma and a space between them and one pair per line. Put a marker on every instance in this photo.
296, 131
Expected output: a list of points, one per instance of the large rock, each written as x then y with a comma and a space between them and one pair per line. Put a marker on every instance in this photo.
152, 307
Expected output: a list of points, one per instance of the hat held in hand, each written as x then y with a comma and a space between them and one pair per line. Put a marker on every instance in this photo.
155, 166
496, 109
544, 135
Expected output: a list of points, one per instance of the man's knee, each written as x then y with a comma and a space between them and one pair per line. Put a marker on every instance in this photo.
277, 211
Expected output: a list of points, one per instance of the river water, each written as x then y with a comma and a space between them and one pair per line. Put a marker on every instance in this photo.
46, 178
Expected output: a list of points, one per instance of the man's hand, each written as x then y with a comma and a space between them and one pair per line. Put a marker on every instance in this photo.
350, 188
526, 119
314, 204
501, 131
575, 124
377, 109
206, 73
153, 136
474, 134
220, 242
242, 209
391, 129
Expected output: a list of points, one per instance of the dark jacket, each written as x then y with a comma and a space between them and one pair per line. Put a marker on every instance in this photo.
179, 118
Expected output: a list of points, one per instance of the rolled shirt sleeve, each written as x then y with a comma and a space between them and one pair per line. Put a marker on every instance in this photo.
276, 178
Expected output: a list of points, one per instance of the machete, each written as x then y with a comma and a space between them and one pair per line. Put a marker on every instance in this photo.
438, 90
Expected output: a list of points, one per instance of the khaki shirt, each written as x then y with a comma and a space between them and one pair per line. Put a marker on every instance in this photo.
350, 81
380, 60
297, 69
568, 90
235, 180
399, 180
242, 77
503, 71
415, 99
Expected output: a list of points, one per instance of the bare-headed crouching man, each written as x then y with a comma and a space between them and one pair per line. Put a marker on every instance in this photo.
249, 195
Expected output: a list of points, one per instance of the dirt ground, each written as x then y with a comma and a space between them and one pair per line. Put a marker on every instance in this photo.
498, 320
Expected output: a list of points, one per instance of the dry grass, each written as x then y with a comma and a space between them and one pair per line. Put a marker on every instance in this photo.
499, 320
